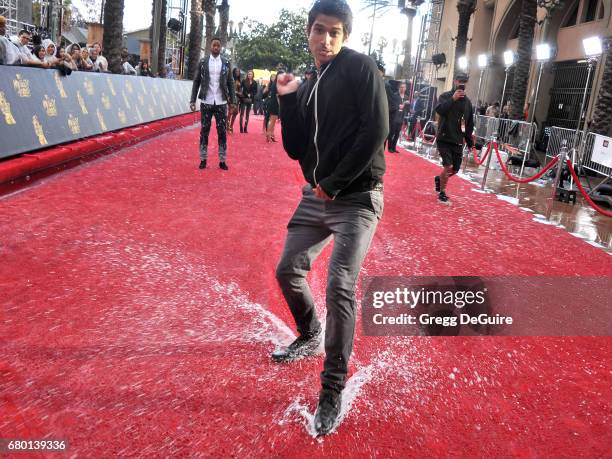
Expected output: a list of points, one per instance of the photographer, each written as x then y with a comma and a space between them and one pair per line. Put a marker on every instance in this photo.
454, 108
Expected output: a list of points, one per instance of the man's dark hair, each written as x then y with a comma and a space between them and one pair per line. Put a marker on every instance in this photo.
24, 31
336, 8
215, 39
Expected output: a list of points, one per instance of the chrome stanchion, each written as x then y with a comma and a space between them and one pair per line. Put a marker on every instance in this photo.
492, 143
562, 156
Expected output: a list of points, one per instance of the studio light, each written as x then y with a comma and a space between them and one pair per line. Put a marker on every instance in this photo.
543, 52
463, 63
482, 61
592, 46
508, 58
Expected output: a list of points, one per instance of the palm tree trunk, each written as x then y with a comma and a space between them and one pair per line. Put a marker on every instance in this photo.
529, 9
113, 34
223, 21
407, 65
466, 9
163, 27
602, 114
209, 11
195, 38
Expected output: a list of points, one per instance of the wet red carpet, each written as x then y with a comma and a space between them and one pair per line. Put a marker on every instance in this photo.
139, 307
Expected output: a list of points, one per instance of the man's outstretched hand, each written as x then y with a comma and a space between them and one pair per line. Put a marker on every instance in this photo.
286, 84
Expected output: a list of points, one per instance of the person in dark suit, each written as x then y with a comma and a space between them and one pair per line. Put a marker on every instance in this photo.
215, 87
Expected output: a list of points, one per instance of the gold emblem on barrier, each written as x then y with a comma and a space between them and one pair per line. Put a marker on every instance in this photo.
126, 100
22, 87
140, 118
163, 108
82, 103
129, 87
89, 87
106, 101
101, 120
122, 117
73, 124
60, 85
141, 100
110, 86
151, 111
142, 85
5, 108
38, 129
49, 105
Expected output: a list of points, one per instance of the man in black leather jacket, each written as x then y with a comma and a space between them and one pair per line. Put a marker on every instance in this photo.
215, 87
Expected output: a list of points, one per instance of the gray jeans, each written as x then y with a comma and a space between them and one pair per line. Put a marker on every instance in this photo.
352, 221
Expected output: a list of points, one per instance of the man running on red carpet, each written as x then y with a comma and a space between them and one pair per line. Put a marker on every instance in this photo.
454, 108
335, 125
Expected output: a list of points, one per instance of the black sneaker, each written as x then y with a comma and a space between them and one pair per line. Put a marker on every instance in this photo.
202, 164
304, 346
223, 166
437, 180
442, 197
327, 411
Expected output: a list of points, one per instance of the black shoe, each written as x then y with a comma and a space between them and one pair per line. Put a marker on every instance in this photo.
327, 411
437, 180
442, 197
202, 164
223, 166
241, 130
245, 130
304, 346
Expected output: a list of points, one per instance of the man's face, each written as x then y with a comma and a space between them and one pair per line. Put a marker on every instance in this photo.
402, 87
97, 47
94, 53
462, 83
215, 48
326, 38
24, 39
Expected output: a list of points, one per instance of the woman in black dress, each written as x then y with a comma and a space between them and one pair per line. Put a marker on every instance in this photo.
233, 110
249, 91
273, 107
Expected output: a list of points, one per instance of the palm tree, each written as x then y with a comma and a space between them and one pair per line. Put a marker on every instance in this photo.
223, 21
602, 115
210, 8
195, 38
163, 29
529, 9
113, 34
465, 8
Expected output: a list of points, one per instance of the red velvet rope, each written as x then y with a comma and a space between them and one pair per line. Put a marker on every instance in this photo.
481, 161
584, 193
528, 179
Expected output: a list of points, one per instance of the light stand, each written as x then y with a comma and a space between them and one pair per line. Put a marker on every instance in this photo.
509, 62
482, 63
593, 49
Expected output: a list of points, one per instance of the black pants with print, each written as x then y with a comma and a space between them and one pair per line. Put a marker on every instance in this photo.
220, 114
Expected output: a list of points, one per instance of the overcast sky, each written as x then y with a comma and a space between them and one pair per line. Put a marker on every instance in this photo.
391, 25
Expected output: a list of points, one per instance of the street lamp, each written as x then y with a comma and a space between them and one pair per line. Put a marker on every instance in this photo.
508, 62
482, 63
462, 62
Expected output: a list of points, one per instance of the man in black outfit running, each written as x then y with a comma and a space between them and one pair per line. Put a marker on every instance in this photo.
335, 125
454, 109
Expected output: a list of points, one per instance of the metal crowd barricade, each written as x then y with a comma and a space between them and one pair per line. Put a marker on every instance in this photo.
556, 138
516, 135
484, 128
587, 154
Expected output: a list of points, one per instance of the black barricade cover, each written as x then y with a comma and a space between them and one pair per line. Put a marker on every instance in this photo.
40, 108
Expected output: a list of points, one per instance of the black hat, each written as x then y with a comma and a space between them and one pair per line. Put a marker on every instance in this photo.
462, 77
